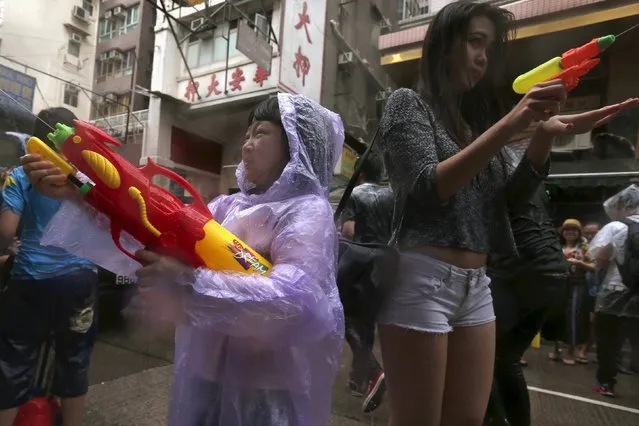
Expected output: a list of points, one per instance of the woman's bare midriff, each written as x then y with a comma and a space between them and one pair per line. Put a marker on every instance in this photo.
461, 258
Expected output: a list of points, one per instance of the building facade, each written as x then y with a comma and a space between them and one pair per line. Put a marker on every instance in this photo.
216, 60
586, 168
123, 66
47, 53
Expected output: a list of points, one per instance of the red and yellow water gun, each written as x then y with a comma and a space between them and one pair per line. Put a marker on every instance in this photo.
151, 214
570, 67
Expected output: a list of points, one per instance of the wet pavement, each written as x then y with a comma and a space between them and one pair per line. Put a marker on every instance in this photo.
131, 375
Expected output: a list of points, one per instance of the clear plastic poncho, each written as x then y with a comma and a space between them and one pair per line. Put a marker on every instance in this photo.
614, 298
254, 350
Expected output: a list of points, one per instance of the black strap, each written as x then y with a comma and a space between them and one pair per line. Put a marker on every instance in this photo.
353, 180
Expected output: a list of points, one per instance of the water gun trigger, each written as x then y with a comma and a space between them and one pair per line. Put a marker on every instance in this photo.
152, 169
116, 230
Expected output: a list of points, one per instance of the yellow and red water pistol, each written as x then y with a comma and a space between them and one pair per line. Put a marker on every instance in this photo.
151, 214
569, 67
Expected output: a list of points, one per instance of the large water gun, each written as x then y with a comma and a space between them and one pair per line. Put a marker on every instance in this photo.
151, 214
570, 67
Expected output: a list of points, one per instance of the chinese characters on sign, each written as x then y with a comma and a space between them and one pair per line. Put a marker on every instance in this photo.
213, 86
302, 65
236, 79
304, 21
261, 75
191, 90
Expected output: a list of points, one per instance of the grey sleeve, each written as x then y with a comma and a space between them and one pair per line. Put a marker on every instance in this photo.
408, 145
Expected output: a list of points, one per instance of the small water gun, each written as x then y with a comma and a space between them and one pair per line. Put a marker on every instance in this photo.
151, 214
571, 66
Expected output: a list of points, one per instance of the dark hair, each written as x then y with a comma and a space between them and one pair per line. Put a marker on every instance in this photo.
482, 106
267, 110
373, 168
48, 118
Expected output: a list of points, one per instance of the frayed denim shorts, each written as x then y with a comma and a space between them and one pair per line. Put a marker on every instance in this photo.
435, 297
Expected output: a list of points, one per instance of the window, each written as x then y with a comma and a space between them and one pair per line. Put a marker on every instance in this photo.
106, 29
132, 17
73, 48
129, 62
205, 51
88, 6
71, 95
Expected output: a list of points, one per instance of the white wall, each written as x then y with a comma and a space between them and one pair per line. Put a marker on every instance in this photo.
33, 33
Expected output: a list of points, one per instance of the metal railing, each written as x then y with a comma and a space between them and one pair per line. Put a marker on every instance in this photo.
115, 125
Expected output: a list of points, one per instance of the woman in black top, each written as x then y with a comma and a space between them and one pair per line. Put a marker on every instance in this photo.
453, 181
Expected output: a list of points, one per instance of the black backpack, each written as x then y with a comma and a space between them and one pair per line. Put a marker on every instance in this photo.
629, 270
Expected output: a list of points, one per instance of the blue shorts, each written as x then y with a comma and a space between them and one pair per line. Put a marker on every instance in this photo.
31, 313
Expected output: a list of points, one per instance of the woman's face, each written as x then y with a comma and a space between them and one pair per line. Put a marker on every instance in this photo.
471, 56
570, 234
264, 153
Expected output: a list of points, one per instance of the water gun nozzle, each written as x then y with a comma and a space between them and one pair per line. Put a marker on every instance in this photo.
60, 135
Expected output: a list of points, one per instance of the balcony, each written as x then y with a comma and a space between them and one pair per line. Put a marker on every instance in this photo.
115, 125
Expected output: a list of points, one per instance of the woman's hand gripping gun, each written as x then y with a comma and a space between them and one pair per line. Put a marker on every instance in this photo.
151, 214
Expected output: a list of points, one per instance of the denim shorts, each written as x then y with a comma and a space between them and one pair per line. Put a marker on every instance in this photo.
31, 313
435, 297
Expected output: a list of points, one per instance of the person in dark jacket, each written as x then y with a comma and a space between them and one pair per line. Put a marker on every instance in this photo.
525, 289
367, 218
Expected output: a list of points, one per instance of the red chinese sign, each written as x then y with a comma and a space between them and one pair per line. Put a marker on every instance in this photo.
236, 79
261, 75
302, 65
191, 90
213, 86
304, 21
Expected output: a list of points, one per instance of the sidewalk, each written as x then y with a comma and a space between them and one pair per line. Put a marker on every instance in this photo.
141, 399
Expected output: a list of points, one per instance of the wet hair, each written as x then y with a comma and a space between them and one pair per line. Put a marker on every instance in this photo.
482, 106
372, 168
268, 110
51, 117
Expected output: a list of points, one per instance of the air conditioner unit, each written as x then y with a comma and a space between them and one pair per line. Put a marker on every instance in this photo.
116, 55
80, 13
75, 37
345, 58
196, 24
72, 60
111, 97
118, 11
108, 14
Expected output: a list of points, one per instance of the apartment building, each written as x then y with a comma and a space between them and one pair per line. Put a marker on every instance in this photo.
123, 64
47, 53
215, 60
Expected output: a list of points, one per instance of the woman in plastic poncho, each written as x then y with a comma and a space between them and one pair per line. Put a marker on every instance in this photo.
617, 306
250, 350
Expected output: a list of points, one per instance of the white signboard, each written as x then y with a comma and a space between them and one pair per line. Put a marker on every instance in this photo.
242, 79
302, 47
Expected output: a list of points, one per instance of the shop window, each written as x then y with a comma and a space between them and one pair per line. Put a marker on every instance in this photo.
71, 95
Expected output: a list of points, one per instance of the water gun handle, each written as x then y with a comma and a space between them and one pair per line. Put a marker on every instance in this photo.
36, 146
152, 169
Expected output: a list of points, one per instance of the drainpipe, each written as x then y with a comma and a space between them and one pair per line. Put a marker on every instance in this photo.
364, 63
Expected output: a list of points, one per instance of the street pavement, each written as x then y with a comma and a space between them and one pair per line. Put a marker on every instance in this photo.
131, 376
